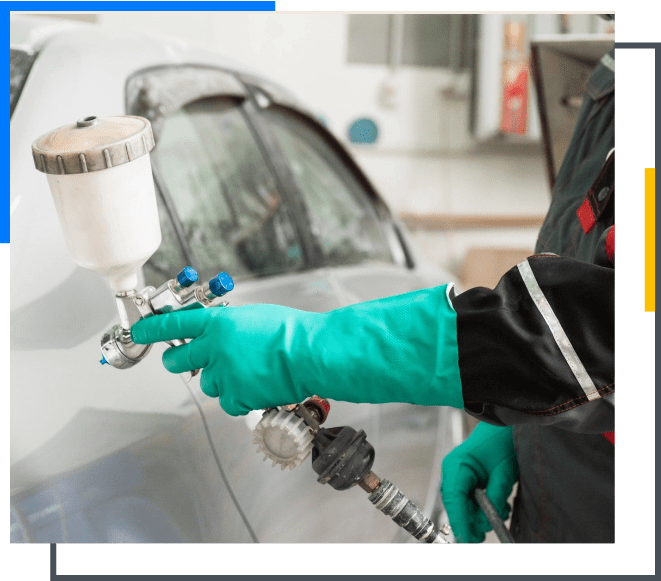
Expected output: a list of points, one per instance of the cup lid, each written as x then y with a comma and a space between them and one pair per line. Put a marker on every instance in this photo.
93, 144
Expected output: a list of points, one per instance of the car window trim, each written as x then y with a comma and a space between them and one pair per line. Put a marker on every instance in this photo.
160, 187
286, 182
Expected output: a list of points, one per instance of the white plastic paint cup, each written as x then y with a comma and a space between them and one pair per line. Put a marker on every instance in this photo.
104, 194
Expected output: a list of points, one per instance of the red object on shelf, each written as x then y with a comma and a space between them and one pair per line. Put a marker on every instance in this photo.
514, 115
515, 98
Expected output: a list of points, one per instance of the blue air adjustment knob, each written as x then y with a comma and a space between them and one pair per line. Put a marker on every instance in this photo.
187, 276
221, 284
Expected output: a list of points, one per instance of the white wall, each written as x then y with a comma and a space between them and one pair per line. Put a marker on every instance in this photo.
422, 162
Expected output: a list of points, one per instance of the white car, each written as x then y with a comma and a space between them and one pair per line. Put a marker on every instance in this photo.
250, 183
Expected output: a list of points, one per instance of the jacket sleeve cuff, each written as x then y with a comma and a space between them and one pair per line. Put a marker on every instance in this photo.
515, 345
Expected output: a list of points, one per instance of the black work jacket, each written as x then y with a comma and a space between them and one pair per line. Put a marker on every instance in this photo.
537, 352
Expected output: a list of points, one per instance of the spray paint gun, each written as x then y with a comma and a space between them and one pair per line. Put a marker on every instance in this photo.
99, 174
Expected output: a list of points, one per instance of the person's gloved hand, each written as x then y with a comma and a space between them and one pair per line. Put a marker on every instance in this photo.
486, 459
397, 349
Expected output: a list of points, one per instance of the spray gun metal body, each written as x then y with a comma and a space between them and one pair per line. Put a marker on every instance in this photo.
117, 347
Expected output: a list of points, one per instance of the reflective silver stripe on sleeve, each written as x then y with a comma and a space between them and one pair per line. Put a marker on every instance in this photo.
450, 294
584, 380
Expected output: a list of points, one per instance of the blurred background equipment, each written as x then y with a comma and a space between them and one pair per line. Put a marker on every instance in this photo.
515, 80
363, 131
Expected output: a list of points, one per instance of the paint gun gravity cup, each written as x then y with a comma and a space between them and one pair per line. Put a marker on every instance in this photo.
99, 173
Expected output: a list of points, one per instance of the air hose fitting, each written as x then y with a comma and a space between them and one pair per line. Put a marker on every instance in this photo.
391, 502
342, 457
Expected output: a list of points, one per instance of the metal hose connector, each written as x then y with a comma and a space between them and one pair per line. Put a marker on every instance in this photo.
391, 502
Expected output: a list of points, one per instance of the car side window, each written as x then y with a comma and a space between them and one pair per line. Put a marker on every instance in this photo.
342, 215
223, 192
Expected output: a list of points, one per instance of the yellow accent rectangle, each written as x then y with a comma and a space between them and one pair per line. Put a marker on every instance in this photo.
650, 239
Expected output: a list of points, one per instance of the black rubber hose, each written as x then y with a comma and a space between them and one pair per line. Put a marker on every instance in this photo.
504, 536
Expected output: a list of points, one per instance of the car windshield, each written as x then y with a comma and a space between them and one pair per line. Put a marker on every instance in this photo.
20, 63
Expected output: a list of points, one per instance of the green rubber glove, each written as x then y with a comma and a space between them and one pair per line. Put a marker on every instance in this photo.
486, 458
397, 349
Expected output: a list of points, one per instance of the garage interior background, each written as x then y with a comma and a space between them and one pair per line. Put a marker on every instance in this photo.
457, 157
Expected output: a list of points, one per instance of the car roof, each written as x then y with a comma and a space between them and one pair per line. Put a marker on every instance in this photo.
131, 51
32, 34
29, 33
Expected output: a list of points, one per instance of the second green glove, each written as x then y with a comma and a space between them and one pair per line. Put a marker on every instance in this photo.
486, 459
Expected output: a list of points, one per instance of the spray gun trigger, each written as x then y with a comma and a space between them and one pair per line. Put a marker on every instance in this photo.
187, 375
